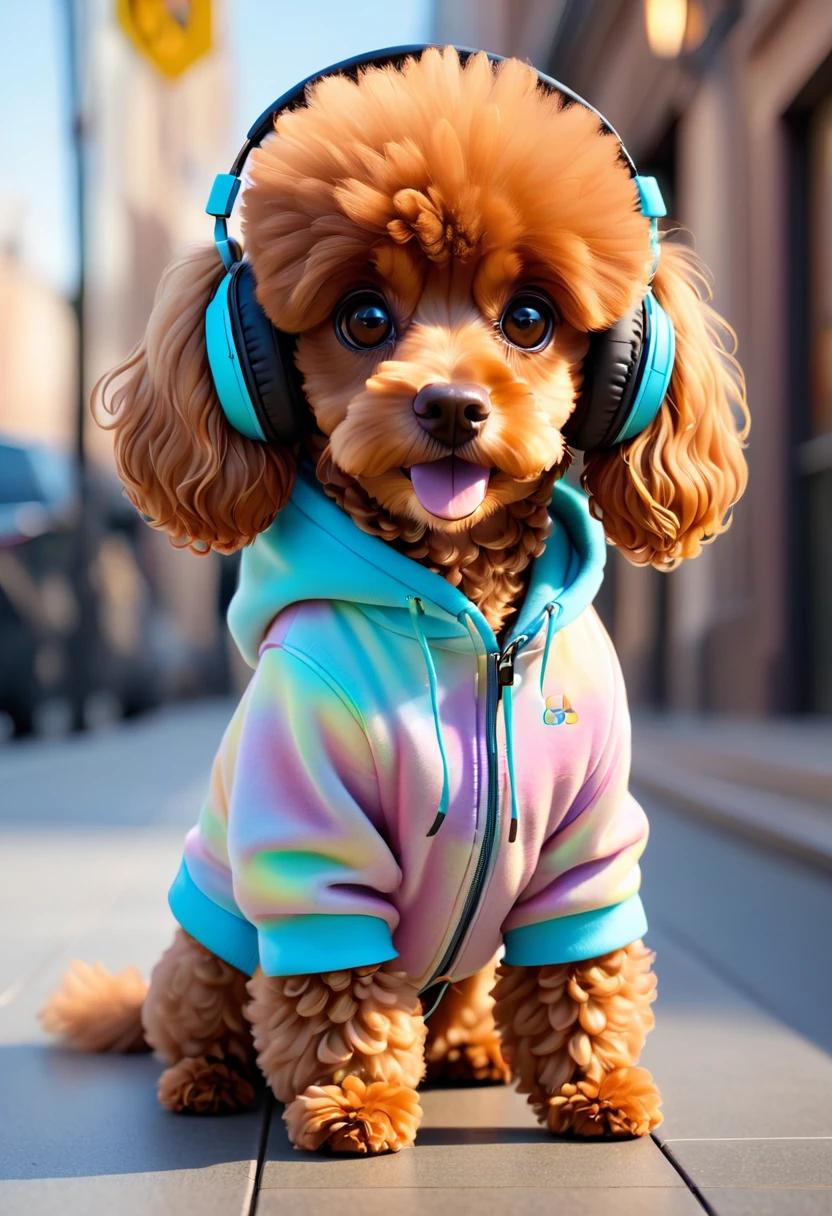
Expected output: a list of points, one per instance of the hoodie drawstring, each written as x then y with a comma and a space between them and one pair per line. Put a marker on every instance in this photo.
508, 714
417, 610
553, 612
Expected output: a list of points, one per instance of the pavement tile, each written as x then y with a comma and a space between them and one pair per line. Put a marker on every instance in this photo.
756, 1163
724, 1067
217, 1190
478, 1138
598, 1201
770, 1202
84, 1134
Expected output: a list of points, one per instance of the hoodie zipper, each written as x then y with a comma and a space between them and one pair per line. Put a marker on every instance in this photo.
500, 673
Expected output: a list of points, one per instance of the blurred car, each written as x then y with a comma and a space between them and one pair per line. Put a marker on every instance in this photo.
39, 601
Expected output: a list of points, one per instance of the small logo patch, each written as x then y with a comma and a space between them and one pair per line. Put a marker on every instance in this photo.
559, 711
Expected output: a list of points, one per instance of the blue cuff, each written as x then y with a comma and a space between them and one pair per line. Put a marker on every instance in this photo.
228, 936
306, 945
571, 939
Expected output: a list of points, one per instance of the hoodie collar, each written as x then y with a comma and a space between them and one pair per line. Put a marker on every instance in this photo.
313, 550
569, 572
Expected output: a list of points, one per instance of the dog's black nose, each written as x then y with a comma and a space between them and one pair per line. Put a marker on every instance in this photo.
452, 413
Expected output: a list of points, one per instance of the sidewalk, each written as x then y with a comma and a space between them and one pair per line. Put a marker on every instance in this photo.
90, 834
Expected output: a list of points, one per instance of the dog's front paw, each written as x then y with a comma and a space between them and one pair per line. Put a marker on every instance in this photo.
624, 1103
202, 1086
354, 1117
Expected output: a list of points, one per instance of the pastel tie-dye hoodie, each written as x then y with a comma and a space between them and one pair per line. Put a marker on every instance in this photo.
395, 783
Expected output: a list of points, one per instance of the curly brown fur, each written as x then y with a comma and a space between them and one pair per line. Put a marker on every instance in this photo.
194, 1011
669, 491
94, 1010
567, 1024
194, 1006
438, 165
624, 1103
184, 467
202, 1086
345, 1051
354, 1117
317, 1029
462, 1043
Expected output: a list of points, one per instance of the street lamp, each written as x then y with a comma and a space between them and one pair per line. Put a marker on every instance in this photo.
666, 22
84, 641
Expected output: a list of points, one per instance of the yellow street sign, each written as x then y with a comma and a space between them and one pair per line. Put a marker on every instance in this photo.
170, 33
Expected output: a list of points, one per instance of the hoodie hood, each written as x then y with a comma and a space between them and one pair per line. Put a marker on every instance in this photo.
314, 551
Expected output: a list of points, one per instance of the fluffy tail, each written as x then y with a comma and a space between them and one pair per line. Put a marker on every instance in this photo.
94, 1010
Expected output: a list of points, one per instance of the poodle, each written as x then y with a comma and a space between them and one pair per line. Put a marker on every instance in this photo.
431, 761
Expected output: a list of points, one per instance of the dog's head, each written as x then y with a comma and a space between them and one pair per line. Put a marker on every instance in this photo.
443, 239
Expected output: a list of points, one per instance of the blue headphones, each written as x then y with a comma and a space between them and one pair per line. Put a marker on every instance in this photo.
626, 372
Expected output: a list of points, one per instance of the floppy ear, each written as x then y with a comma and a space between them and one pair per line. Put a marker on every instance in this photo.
664, 494
183, 465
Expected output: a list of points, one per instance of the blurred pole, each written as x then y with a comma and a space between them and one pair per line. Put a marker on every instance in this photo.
82, 650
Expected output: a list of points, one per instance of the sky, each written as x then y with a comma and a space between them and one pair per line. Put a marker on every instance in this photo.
276, 43
35, 164
272, 45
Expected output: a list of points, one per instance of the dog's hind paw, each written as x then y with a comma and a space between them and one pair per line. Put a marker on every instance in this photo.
354, 1117
625, 1103
202, 1086
468, 1063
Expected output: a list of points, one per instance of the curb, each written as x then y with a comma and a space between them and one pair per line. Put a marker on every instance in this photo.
787, 826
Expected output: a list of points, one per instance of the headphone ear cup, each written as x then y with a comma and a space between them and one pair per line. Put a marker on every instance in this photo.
610, 375
267, 362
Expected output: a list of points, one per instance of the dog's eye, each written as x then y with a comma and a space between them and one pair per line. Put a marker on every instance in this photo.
528, 321
364, 321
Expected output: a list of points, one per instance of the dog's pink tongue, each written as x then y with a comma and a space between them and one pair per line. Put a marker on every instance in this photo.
450, 488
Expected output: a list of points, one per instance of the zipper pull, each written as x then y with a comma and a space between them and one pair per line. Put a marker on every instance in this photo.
505, 662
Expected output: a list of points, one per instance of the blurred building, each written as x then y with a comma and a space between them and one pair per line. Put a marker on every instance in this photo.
736, 123
36, 393
153, 620
154, 146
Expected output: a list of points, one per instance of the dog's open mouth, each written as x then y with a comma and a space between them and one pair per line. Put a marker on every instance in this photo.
450, 488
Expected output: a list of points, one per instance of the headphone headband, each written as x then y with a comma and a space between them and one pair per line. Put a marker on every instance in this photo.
253, 365
394, 57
